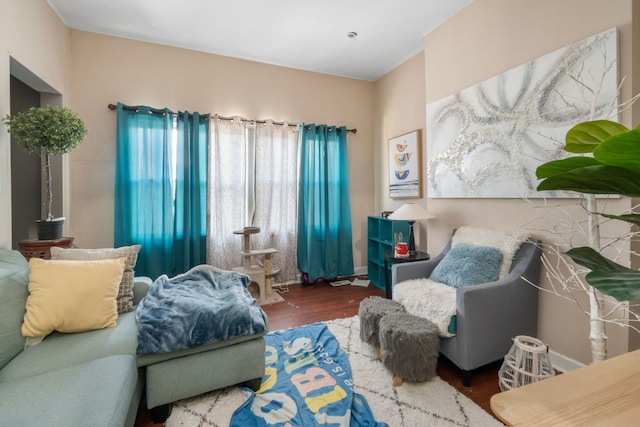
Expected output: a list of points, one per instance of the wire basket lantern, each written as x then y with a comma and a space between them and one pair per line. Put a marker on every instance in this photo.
527, 362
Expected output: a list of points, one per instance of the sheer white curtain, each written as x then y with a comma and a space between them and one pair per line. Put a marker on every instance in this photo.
253, 172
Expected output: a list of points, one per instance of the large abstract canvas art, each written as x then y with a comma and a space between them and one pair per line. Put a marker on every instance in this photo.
487, 140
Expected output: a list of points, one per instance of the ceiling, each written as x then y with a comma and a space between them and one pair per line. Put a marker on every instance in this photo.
309, 35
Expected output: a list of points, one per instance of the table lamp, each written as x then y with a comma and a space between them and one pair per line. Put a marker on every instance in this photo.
411, 213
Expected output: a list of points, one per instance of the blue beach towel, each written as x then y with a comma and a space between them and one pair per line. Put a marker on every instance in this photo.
307, 383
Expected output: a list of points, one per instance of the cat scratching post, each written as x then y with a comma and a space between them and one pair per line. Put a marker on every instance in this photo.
260, 273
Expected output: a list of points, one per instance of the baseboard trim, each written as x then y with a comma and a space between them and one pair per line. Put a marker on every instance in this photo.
563, 363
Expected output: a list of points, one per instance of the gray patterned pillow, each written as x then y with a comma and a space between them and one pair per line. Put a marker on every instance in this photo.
124, 299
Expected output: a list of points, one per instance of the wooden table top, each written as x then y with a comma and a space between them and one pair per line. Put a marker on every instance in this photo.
603, 394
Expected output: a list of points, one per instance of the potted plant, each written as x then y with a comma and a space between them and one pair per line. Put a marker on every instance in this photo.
47, 131
613, 169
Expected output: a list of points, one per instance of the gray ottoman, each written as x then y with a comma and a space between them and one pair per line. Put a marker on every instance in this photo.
409, 347
370, 312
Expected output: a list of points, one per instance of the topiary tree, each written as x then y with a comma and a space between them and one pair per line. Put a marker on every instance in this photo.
47, 131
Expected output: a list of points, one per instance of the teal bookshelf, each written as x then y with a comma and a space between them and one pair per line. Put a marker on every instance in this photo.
381, 234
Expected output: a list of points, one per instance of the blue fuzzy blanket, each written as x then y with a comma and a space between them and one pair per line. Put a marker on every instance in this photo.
307, 382
199, 307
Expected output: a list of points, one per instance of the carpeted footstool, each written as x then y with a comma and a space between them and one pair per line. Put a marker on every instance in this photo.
409, 347
370, 312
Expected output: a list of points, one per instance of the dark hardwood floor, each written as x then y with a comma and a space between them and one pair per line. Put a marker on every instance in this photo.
320, 301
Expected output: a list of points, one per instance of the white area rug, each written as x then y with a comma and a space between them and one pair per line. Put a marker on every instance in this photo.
432, 403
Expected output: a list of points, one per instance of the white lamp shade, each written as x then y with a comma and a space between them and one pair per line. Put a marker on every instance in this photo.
411, 212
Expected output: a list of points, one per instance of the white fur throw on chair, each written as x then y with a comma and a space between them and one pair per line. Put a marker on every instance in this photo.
436, 301
428, 299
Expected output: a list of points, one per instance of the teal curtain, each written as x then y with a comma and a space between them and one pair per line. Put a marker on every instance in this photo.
160, 188
324, 212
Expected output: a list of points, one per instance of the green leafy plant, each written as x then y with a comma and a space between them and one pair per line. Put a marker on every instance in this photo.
613, 169
47, 131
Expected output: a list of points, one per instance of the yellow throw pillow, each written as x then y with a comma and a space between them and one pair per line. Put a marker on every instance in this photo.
71, 296
125, 294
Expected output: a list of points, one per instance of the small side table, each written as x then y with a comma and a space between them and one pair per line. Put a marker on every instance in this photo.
42, 248
390, 259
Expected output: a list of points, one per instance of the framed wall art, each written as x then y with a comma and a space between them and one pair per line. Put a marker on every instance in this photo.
405, 166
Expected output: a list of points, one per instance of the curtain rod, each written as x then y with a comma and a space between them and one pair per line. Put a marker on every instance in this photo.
153, 110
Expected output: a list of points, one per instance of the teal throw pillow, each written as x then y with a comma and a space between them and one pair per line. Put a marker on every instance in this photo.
466, 265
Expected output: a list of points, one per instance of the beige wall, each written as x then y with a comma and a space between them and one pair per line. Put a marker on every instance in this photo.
32, 34
107, 70
483, 40
399, 107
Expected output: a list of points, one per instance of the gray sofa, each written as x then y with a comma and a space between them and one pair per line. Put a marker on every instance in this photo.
489, 315
94, 378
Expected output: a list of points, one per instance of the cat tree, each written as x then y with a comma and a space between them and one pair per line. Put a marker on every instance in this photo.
260, 271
